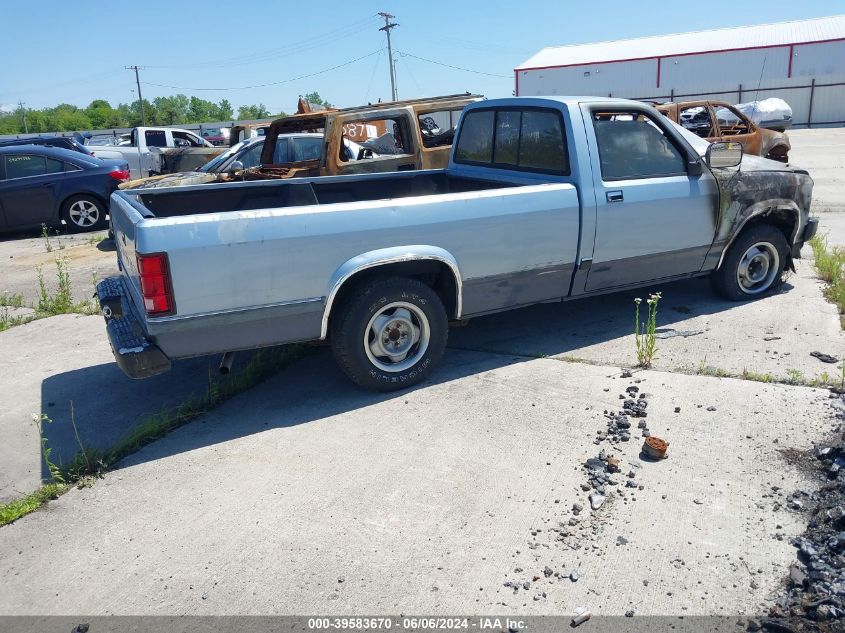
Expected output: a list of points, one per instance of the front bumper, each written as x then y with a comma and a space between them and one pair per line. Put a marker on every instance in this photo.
135, 354
810, 230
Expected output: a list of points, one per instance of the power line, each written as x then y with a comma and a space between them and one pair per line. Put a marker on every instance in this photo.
467, 70
389, 26
272, 83
316, 41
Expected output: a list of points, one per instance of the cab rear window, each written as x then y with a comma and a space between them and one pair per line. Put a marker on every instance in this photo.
525, 139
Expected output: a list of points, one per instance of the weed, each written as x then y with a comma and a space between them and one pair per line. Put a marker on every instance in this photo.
10, 300
46, 451
795, 377
62, 301
17, 508
45, 235
644, 333
830, 265
7, 320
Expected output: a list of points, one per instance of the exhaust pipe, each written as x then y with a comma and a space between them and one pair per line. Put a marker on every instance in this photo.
226, 362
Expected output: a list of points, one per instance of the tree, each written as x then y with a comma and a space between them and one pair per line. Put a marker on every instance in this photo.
314, 97
247, 112
224, 111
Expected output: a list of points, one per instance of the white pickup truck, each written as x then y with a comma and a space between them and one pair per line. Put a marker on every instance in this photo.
147, 151
544, 199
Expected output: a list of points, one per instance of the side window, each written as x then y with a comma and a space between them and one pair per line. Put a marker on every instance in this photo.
282, 152
697, 120
252, 156
531, 140
383, 138
730, 122
54, 166
155, 138
24, 166
71, 167
438, 128
307, 148
182, 139
631, 145
475, 144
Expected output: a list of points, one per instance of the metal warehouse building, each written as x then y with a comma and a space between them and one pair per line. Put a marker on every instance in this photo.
802, 62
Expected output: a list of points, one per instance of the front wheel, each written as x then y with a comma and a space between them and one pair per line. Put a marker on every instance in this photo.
84, 213
390, 334
754, 264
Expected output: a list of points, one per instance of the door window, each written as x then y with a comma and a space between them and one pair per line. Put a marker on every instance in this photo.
438, 128
183, 139
530, 139
26, 165
374, 138
252, 156
731, 122
155, 138
697, 120
631, 145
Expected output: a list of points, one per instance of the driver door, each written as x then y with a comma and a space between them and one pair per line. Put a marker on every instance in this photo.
385, 136
732, 125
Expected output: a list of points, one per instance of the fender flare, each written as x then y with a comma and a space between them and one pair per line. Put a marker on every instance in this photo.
761, 209
383, 257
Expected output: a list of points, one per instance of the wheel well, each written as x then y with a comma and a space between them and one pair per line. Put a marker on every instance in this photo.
435, 274
778, 152
782, 219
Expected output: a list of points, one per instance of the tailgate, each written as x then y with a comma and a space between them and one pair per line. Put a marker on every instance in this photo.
125, 214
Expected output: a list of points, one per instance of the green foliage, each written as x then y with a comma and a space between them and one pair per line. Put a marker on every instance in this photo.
830, 264
14, 510
101, 115
249, 112
644, 333
314, 97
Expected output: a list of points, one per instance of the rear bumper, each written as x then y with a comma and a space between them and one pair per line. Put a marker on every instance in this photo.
135, 354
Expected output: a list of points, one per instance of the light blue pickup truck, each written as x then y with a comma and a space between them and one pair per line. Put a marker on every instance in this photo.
544, 199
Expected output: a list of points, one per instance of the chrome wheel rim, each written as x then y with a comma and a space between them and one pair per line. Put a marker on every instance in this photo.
758, 268
84, 214
397, 336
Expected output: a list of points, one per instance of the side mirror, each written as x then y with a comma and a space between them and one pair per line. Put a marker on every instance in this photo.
723, 155
236, 165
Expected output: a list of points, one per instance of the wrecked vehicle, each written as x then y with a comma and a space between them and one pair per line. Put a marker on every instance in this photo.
720, 121
245, 132
544, 199
392, 136
244, 155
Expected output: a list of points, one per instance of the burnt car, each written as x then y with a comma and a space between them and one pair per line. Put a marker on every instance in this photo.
720, 121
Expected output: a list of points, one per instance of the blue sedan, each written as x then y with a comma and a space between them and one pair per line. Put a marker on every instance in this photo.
48, 185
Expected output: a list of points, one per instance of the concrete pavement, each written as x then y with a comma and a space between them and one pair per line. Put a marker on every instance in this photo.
306, 495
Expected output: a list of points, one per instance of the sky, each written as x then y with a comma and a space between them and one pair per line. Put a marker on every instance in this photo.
271, 52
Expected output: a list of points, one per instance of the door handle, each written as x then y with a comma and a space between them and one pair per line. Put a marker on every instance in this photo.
614, 196
47, 184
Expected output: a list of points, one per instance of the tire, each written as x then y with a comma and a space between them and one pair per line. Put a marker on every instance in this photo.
84, 213
399, 315
754, 264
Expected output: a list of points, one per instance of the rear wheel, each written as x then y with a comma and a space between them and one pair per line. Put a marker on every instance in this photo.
84, 213
390, 334
753, 265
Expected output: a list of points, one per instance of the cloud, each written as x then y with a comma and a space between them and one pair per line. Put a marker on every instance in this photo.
8, 107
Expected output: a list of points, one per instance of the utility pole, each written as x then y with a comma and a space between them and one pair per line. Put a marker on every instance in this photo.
23, 112
140, 98
388, 25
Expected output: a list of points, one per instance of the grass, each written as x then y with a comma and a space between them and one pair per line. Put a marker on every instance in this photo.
89, 463
644, 333
830, 265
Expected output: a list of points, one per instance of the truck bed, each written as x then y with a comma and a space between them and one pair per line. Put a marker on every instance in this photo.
180, 201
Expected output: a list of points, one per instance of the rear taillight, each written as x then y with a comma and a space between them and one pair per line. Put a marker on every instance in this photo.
120, 174
155, 284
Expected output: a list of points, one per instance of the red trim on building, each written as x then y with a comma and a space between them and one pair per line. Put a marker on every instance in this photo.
720, 50
658, 72
791, 51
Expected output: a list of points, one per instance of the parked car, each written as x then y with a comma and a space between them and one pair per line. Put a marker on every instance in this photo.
245, 155
544, 199
159, 150
720, 121
48, 185
65, 142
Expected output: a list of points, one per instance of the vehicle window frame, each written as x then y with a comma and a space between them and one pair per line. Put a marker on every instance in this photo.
566, 171
400, 119
454, 119
714, 124
658, 122
749, 124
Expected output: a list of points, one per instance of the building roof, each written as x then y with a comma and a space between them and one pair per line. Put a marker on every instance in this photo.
741, 37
